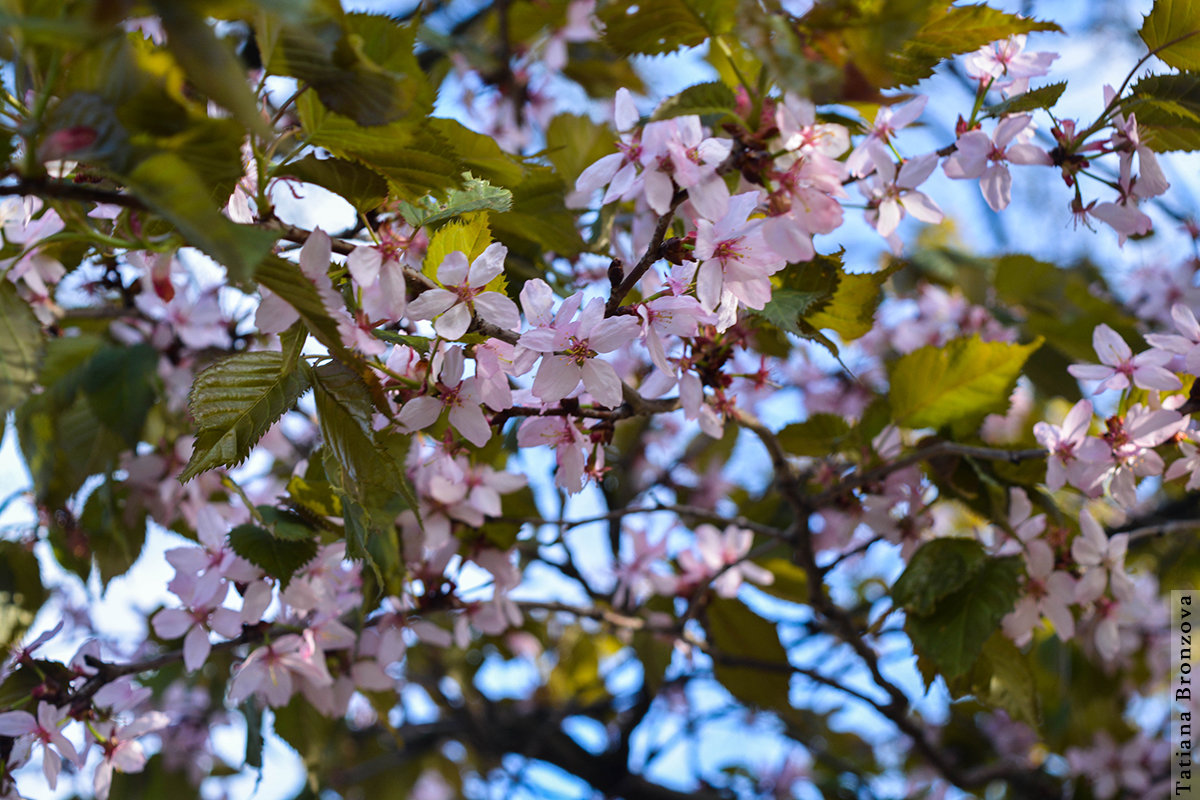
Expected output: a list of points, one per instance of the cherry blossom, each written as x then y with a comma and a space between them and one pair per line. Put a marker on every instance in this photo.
122, 752
1006, 65
380, 279
44, 730
1185, 343
618, 171
722, 560
1126, 141
569, 348
569, 443
872, 150
675, 152
978, 155
890, 194
459, 395
275, 314
451, 308
1047, 593
734, 259
1119, 367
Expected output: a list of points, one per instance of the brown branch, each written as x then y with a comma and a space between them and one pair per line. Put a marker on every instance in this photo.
652, 254
69, 190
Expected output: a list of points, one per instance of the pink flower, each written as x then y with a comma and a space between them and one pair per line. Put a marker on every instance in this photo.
1047, 593
1102, 556
723, 560
1064, 441
618, 171
194, 623
570, 447
44, 730
890, 194
1121, 367
1186, 343
1006, 66
1126, 141
669, 316
453, 392
451, 308
735, 260
888, 120
674, 153
380, 280
975, 149
1189, 464
271, 670
122, 751
569, 348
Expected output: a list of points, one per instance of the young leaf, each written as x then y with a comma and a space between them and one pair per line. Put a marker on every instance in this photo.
819, 435
235, 402
169, 186
934, 386
1168, 111
279, 558
476, 195
851, 311
21, 343
1172, 32
1002, 678
634, 27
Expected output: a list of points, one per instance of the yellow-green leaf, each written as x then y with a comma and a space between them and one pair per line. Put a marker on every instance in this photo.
1172, 32
935, 386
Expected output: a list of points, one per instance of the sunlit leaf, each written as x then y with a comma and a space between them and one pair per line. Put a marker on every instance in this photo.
279, 558
1172, 32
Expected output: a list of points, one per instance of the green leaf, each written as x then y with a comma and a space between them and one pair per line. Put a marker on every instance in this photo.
1172, 32
539, 220
21, 343
210, 64
703, 98
851, 311
476, 195
285, 279
21, 591
959, 29
284, 524
173, 190
1033, 100
968, 377
736, 633
935, 570
575, 142
360, 65
115, 529
235, 402
361, 187
1168, 111
788, 307
953, 634
634, 27
120, 385
790, 583
253, 713
1001, 677
819, 435
279, 558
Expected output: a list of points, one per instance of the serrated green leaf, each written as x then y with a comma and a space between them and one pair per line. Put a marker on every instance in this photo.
285, 279
360, 65
279, 558
284, 524
1172, 32
120, 385
953, 634
787, 307
736, 631
1033, 100
934, 386
851, 311
935, 570
713, 97
21, 342
574, 142
819, 435
633, 27
116, 529
1168, 111
173, 190
359, 186
476, 195
235, 402
957, 29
